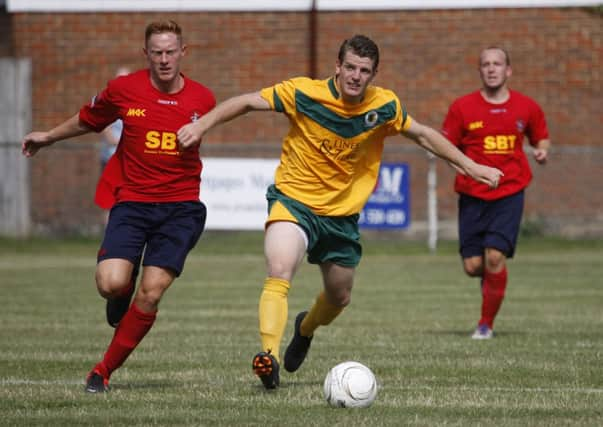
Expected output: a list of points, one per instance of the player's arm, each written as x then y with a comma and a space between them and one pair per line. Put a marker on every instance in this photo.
191, 134
433, 141
109, 135
541, 150
34, 141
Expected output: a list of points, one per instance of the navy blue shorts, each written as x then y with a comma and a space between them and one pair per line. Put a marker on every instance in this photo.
166, 232
489, 224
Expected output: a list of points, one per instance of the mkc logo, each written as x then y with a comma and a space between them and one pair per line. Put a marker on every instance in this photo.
161, 140
499, 144
476, 125
136, 112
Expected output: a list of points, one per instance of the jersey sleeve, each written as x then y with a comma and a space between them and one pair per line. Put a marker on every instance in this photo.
452, 128
398, 119
101, 111
281, 97
537, 129
403, 119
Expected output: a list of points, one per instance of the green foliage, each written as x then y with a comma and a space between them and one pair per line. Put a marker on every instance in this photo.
410, 320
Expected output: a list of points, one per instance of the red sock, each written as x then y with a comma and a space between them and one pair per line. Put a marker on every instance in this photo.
130, 332
493, 293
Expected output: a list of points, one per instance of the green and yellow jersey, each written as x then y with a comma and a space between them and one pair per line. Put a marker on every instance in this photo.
331, 155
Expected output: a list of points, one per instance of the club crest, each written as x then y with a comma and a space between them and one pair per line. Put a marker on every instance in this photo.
520, 124
371, 118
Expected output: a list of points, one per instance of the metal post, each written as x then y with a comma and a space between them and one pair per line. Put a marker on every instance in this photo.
432, 204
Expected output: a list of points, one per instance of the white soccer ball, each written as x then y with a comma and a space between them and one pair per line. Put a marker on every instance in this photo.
350, 385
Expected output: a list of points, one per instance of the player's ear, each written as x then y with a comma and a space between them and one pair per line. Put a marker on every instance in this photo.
183, 49
337, 66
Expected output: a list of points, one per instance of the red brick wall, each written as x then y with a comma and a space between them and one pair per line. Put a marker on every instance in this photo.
427, 57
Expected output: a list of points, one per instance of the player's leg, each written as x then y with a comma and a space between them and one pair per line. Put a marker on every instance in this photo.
473, 224
471, 229
113, 275
337, 252
474, 265
137, 321
116, 281
284, 247
494, 286
167, 246
500, 241
119, 259
338, 282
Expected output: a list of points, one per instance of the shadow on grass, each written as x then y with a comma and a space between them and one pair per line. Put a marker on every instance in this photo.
146, 386
467, 333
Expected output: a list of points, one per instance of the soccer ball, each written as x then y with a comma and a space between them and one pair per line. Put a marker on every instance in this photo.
350, 385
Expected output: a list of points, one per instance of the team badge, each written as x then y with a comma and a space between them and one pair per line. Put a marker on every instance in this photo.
520, 125
195, 117
370, 118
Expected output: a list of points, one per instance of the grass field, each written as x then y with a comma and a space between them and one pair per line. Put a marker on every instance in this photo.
410, 320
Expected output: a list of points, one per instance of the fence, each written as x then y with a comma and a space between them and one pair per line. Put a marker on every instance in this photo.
15, 119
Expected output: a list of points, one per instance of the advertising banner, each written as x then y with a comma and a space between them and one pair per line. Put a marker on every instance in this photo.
234, 191
389, 205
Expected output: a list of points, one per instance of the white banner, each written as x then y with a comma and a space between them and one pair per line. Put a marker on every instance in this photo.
234, 191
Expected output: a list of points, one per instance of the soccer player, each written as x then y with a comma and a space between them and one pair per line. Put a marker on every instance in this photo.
155, 186
328, 168
110, 137
489, 125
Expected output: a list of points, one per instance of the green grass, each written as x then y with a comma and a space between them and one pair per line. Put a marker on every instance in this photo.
410, 320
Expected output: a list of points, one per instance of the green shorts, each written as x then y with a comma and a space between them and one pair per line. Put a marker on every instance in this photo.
332, 239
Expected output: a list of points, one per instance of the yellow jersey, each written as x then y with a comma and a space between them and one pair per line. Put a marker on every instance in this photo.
331, 155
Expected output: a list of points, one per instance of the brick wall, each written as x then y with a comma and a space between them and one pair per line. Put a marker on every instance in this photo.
428, 58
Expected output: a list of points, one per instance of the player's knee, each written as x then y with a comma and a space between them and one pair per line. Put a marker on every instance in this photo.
109, 284
473, 268
280, 270
341, 298
344, 301
495, 260
148, 299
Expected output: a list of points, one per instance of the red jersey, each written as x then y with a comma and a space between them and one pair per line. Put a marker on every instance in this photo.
492, 134
148, 166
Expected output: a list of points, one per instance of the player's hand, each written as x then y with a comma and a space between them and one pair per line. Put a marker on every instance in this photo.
488, 175
189, 136
540, 155
33, 142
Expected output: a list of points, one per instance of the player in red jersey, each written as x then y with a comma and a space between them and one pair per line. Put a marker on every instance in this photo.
152, 185
489, 125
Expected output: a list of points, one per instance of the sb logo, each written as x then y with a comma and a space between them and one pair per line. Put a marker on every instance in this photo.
161, 140
500, 143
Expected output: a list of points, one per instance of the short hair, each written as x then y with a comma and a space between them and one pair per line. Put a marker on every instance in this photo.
494, 47
160, 27
362, 46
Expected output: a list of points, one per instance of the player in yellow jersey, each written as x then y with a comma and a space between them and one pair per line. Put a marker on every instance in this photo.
328, 168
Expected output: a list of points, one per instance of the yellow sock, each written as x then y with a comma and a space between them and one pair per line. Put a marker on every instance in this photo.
322, 313
273, 312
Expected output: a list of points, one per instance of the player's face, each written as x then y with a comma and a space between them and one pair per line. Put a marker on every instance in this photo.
493, 69
164, 52
354, 74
